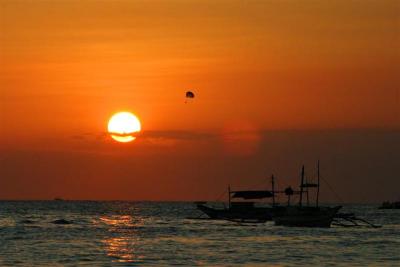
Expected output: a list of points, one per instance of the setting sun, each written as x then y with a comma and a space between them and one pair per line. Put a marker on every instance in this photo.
122, 126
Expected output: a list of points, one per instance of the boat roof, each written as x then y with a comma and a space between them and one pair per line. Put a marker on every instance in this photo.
252, 194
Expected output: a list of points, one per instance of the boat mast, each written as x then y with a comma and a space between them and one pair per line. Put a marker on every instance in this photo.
308, 199
273, 190
318, 183
301, 186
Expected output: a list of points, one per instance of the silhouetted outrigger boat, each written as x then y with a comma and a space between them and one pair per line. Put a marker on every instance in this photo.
242, 211
299, 215
304, 216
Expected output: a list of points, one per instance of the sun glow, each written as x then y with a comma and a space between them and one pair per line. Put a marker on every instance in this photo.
122, 126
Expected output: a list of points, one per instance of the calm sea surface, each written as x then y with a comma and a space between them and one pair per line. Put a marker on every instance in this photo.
157, 234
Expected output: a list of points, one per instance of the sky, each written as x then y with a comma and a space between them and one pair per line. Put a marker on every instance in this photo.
278, 84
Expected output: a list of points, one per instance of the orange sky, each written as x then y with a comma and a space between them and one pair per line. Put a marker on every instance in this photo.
280, 68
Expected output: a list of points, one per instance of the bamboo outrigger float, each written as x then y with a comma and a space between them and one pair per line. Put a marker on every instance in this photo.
350, 220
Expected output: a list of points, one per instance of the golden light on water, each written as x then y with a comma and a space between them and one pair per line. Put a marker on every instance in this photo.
122, 247
122, 126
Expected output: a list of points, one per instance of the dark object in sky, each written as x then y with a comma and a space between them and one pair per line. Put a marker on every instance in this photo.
189, 94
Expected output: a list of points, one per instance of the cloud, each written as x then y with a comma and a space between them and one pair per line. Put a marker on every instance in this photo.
178, 135
173, 135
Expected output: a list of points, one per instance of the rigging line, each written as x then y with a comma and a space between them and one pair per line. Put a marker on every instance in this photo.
333, 191
221, 195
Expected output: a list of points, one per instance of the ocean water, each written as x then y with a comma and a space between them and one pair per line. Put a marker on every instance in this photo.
157, 234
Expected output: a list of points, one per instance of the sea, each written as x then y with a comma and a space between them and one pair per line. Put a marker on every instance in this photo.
118, 233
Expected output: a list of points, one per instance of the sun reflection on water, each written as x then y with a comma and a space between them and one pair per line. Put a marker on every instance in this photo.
118, 220
123, 245
122, 249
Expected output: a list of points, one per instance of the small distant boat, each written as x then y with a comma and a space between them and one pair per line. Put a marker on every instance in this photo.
304, 216
390, 205
242, 211
58, 199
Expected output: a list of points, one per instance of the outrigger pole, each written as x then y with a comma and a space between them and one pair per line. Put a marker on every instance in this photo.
229, 196
273, 190
301, 186
318, 183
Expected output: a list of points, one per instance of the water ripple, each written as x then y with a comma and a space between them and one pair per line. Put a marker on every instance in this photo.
157, 234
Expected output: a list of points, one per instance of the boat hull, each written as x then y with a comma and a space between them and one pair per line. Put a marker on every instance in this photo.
305, 216
256, 213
